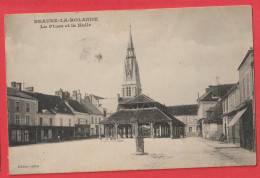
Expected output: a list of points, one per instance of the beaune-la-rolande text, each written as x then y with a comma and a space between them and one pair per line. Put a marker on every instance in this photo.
83, 19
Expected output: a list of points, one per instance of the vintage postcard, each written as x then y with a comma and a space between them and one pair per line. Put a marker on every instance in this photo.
130, 90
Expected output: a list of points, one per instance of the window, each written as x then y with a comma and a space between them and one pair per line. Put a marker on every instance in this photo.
79, 121
99, 120
92, 121
27, 107
19, 136
17, 106
42, 134
126, 91
41, 122
50, 121
247, 85
243, 89
86, 122
13, 135
190, 129
27, 119
61, 122
26, 136
49, 134
129, 92
95, 120
17, 119
69, 122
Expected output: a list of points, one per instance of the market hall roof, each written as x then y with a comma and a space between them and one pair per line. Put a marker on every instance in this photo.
137, 99
142, 116
16, 93
183, 110
51, 103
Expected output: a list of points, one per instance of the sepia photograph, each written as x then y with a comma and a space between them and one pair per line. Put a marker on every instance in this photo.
130, 90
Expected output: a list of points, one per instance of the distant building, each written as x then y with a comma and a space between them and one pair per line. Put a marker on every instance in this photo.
22, 116
212, 125
188, 114
55, 120
87, 114
206, 104
95, 116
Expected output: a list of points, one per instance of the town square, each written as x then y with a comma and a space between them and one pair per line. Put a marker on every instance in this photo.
119, 94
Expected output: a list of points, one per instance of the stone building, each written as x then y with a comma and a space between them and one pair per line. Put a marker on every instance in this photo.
206, 104
188, 114
22, 116
230, 102
55, 120
95, 117
247, 101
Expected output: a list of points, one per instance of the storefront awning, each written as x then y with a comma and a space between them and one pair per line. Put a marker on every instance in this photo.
236, 118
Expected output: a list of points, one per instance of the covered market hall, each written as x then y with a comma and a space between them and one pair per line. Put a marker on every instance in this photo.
142, 116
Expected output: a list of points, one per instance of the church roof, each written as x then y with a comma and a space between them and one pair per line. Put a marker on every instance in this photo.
130, 44
142, 98
143, 116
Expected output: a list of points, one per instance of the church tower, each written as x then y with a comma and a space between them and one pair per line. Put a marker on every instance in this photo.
131, 82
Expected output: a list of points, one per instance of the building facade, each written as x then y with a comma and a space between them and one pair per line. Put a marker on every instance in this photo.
188, 114
22, 116
247, 101
209, 112
230, 102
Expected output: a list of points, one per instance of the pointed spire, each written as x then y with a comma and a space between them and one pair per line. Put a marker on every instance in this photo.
130, 44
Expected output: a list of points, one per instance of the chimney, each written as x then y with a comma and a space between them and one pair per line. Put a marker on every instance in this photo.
118, 96
19, 86
66, 95
13, 84
105, 112
29, 89
217, 81
86, 97
74, 94
198, 95
78, 96
59, 93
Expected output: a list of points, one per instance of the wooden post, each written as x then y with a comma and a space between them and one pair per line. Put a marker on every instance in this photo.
124, 132
116, 125
99, 132
160, 130
74, 132
171, 130
152, 129
36, 136
136, 129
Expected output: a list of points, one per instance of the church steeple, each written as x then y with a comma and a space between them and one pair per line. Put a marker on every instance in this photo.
131, 82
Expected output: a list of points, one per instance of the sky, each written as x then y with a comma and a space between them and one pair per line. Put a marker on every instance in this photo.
180, 51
